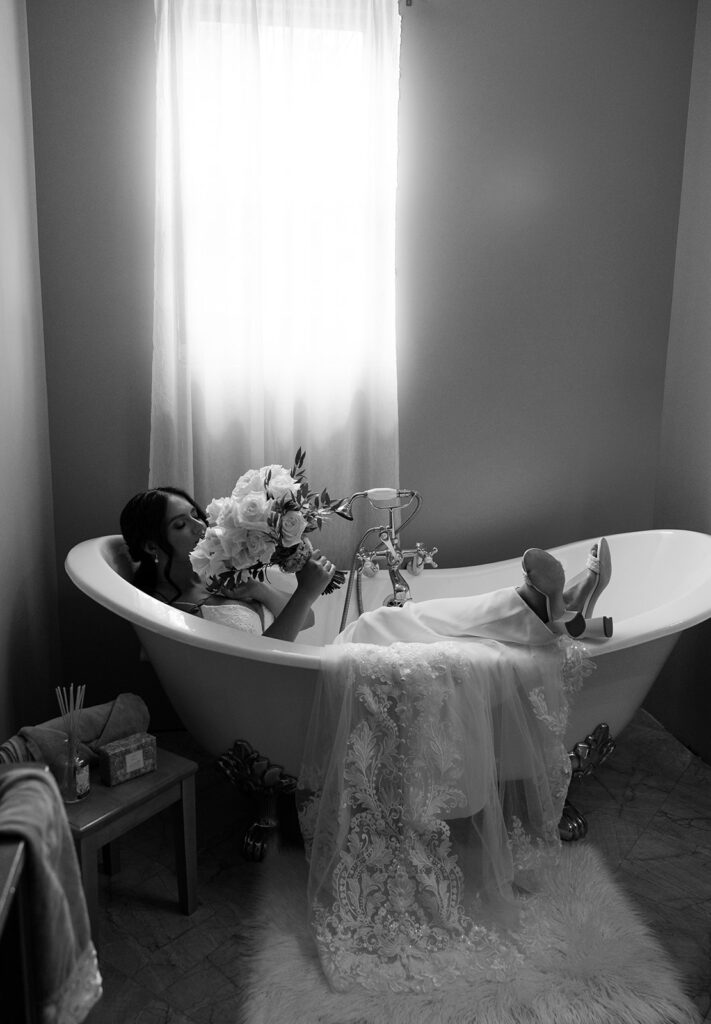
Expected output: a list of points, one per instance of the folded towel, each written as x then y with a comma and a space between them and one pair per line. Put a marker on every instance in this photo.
14, 750
96, 726
67, 978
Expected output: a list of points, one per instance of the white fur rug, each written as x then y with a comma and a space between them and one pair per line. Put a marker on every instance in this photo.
590, 960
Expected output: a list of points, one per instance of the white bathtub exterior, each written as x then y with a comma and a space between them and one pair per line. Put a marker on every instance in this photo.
227, 685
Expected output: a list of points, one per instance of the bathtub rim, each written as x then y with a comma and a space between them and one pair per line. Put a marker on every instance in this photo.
88, 567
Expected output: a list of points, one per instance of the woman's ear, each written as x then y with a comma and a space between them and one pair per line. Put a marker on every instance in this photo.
151, 549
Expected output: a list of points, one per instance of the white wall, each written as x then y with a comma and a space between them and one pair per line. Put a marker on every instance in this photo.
92, 72
28, 632
682, 697
684, 487
541, 163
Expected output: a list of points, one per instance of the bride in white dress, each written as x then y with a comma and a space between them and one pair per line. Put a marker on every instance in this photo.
435, 771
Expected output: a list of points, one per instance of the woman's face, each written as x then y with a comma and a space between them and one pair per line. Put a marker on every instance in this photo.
183, 526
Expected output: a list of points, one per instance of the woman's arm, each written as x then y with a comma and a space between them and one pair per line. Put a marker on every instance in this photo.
296, 614
271, 598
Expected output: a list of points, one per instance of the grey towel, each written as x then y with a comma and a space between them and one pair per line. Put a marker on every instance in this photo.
68, 982
96, 726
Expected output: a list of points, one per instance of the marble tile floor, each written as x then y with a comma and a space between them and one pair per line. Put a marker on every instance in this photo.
648, 811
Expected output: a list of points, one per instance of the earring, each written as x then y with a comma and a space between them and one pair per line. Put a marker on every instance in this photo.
155, 559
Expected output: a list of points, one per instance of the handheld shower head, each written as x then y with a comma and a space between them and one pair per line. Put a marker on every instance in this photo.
379, 497
344, 509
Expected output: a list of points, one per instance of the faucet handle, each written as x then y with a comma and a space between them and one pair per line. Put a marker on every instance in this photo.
429, 558
421, 557
368, 566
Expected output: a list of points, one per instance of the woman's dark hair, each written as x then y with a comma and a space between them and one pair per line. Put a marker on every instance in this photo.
142, 522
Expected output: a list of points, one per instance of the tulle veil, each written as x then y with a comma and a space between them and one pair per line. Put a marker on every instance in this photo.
434, 778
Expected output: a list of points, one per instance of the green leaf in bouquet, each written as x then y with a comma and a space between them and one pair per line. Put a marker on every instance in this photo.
297, 470
339, 578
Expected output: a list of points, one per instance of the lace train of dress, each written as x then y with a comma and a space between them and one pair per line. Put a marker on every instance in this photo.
434, 778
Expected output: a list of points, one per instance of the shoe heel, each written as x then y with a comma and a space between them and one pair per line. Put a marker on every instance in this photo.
577, 625
600, 628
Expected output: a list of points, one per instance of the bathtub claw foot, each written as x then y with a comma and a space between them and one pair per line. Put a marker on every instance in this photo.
591, 752
257, 777
253, 773
256, 840
572, 825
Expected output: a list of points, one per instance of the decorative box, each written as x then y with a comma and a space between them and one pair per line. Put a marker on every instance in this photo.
126, 758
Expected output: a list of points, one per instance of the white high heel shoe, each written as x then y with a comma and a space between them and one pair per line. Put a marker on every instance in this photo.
600, 564
543, 573
600, 628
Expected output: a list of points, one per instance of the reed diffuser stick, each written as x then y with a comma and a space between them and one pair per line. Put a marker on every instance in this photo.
71, 702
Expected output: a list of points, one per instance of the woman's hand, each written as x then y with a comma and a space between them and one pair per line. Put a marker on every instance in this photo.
315, 576
311, 581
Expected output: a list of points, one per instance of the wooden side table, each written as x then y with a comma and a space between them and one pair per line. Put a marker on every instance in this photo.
110, 811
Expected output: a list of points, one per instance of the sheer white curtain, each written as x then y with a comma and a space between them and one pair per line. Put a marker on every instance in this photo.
274, 320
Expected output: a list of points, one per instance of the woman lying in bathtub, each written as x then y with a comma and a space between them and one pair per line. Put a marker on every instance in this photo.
161, 526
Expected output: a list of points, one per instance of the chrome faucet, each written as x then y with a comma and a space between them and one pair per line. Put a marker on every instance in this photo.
367, 560
393, 560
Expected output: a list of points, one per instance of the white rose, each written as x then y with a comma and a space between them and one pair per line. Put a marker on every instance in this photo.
208, 556
253, 510
252, 480
281, 482
259, 545
232, 516
293, 525
234, 543
216, 510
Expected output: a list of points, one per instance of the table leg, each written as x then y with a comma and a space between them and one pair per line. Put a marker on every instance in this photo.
111, 858
186, 846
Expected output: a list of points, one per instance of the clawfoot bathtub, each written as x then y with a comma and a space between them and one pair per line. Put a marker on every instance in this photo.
227, 685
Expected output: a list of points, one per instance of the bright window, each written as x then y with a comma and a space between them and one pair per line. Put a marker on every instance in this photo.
275, 229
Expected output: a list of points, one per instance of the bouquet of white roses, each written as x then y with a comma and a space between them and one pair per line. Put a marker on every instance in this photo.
263, 522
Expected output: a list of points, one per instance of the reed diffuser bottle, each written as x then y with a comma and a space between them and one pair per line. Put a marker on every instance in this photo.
72, 770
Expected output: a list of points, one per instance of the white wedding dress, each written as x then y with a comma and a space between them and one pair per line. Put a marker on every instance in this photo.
239, 615
432, 786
